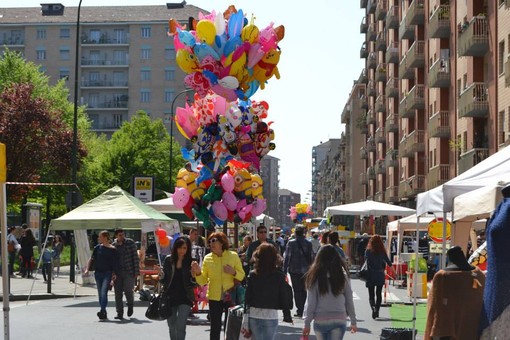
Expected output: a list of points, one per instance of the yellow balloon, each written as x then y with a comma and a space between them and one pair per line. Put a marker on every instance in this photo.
206, 31
187, 61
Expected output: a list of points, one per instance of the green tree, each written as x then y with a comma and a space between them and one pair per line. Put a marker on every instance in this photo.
139, 147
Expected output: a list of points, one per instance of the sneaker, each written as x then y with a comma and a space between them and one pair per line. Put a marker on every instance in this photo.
130, 311
119, 317
102, 315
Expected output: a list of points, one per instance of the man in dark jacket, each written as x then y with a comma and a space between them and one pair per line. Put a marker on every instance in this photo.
261, 238
297, 260
128, 270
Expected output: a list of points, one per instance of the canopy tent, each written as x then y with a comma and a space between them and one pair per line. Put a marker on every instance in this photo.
477, 204
491, 171
265, 220
166, 205
368, 208
115, 208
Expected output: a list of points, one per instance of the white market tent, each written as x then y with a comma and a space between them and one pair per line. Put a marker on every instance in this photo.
368, 208
166, 205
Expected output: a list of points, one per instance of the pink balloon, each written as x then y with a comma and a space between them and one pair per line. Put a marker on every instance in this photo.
245, 210
259, 205
227, 182
220, 211
229, 200
220, 105
180, 197
267, 38
254, 55
177, 43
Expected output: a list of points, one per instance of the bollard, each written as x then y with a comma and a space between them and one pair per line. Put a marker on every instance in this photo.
49, 271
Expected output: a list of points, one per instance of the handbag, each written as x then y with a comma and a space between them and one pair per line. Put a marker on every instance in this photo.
286, 297
363, 272
159, 308
10, 247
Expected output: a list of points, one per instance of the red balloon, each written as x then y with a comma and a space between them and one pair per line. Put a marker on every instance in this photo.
164, 242
161, 233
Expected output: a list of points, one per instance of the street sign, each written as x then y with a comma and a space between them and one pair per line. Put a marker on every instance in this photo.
143, 188
435, 230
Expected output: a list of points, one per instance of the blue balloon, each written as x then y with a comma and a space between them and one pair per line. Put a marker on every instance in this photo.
254, 86
219, 43
186, 38
202, 50
231, 45
235, 24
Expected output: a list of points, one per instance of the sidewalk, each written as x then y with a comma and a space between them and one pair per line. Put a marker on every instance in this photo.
61, 287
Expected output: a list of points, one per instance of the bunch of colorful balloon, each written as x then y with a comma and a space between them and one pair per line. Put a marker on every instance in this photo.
300, 212
163, 240
227, 54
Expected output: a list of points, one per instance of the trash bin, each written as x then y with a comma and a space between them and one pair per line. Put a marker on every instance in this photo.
396, 334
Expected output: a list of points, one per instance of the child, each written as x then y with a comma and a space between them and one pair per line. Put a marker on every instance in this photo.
47, 256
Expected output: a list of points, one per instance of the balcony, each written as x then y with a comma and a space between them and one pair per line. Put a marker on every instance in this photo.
392, 123
363, 153
371, 146
380, 72
104, 40
392, 53
405, 72
391, 158
412, 143
379, 196
474, 39
371, 61
391, 194
363, 52
12, 41
412, 186
380, 41
416, 12
404, 111
380, 167
363, 128
363, 27
363, 178
371, 33
416, 98
380, 136
104, 83
371, 173
439, 74
507, 71
439, 125
381, 9
471, 158
111, 122
405, 31
371, 5
363, 78
416, 54
380, 104
439, 22
371, 88
370, 117
392, 17
363, 102
363, 3
104, 62
474, 101
438, 175
392, 88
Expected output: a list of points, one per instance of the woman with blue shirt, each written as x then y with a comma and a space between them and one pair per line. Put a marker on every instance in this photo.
377, 259
329, 297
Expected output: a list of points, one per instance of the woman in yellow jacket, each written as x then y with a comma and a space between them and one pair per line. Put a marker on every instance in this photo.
219, 269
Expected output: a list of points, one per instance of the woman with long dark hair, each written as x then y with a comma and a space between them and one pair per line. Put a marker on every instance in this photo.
329, 296
377, 259
265, 294
178, 284
27, 243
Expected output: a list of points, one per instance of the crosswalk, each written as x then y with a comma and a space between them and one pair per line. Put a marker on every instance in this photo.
390, 297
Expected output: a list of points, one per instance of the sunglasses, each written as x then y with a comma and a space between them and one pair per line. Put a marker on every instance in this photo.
213, 240
263, 232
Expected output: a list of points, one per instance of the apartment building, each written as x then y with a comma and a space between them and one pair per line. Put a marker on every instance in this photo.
322, 163
286, 200
433, 99
270, 173
126, 59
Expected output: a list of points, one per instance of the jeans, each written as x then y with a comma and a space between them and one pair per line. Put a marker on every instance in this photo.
263, 329
177, 322
329, 329
298, 285
103, 282
375, 297
124, 283
216, 310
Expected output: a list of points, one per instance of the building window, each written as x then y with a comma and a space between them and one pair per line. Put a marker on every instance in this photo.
146, 32
41, 54
169, 96
169, 53
65, 33
145, 53
169, 75
145, 75
145, 96
64, 74
117, 120
501, 127
64, 54
41, 34
501, 57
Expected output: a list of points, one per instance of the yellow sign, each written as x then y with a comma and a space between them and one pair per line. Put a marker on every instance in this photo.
144, 184
435, 229
3, 164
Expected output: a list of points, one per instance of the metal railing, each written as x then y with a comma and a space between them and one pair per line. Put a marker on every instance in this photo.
439, 125
439, 22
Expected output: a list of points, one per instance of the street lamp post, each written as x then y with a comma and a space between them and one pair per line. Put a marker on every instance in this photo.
172, 113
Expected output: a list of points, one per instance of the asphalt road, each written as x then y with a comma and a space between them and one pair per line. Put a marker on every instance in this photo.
76, 319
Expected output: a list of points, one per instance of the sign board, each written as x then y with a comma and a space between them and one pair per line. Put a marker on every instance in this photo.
143, 188
437, 248
435, 230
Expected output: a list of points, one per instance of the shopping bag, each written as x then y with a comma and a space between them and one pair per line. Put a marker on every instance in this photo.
234, 323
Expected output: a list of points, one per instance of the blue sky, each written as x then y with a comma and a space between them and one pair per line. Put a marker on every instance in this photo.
319, 61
